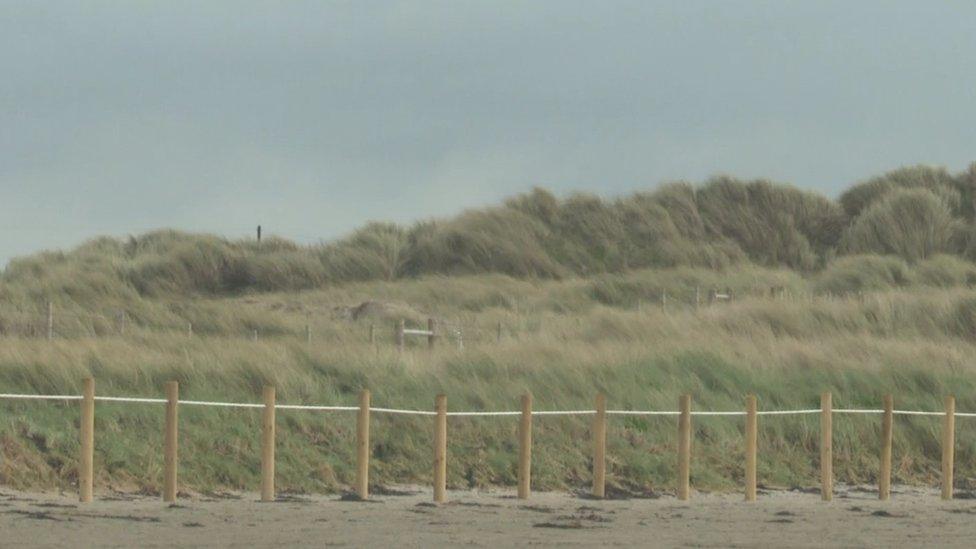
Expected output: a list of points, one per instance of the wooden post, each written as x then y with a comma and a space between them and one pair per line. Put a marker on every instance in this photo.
884, 479
362, 446
826, 448
684, 447
268, 446
752, 439
398, 335
50, 320
86, 472
600, 447
525, 448
948, 446
498, 333
440, 449
171, 442
431, 325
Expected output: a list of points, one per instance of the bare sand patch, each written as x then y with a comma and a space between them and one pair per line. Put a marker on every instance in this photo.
912, 518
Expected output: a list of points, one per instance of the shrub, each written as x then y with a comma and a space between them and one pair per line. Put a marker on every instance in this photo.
863, 272
911, 223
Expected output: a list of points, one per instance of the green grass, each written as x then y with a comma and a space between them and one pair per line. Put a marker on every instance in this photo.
562, 343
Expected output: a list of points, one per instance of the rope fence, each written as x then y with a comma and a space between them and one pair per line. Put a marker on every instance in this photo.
440, 415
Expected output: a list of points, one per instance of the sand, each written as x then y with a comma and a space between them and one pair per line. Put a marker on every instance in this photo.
913, 518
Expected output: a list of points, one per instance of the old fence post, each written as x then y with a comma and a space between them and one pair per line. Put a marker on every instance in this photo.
948, 446
600, 447
440, 449
752, 438
268, 445
826, 448
171, 441
86, 474
884, 479
525, 448
362, 445
684, 447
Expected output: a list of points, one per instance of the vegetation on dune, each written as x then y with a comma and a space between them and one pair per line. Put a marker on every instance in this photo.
912, 213
913, 344
866, 295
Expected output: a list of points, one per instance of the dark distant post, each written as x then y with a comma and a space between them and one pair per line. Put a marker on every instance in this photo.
259, 233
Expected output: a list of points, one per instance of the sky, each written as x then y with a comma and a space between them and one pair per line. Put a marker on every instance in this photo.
311, 118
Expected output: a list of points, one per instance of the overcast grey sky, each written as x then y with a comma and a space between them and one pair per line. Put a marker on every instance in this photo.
314, 117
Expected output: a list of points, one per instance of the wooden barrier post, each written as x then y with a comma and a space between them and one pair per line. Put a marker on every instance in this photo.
684, 447
398, 335
826, 448
525, 448
600, 447
948, 446
752, 439
362, 446
86, 472
170, 460
440, 449
431, 326
268, 446
884, 479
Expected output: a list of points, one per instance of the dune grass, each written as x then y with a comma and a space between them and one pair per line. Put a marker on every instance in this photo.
564, 341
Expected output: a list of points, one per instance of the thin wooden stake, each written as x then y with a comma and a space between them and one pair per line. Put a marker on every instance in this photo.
948, 446
362, 446
171, 443
525, 448
600, 447
752, 438
440, 449
826, 448
268, 446
86, 472
684, 447
398, 335
884, 479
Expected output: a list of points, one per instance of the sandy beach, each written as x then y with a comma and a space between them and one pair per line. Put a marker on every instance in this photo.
913, 518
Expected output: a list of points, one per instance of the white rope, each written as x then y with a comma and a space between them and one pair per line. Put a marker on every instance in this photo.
132, 399
641, 413
787, 412
856, 411
406, 412
40, 397
15, 396
221, 404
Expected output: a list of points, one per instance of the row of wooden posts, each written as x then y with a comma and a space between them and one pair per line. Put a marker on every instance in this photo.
599, 434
